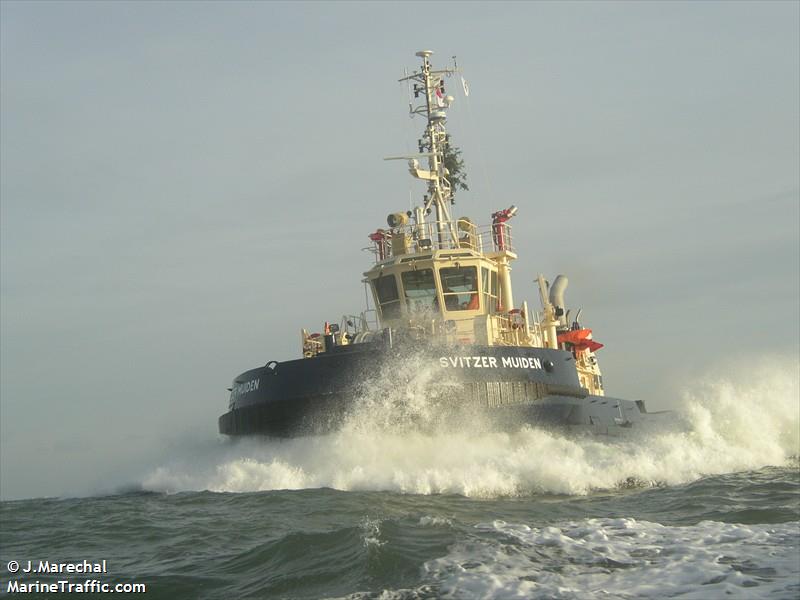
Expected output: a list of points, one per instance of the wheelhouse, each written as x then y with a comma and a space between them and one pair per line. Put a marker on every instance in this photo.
433, 286
442, 287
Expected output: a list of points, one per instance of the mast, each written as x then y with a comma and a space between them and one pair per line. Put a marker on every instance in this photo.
432, 145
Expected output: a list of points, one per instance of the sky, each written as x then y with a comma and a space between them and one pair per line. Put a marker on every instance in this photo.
183, 186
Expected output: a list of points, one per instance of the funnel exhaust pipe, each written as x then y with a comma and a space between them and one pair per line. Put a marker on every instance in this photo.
557, 297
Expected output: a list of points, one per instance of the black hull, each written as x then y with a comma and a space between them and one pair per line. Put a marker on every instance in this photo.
508, 386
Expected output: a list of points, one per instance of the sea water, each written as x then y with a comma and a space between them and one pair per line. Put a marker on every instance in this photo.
707, 506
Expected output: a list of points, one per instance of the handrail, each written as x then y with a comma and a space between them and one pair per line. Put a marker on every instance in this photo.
424, 237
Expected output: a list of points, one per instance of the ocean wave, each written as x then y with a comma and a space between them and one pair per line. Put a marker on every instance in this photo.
621, 558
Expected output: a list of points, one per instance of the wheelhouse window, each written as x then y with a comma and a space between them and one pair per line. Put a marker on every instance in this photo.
489, 286
460, 288
419, 287
388, 297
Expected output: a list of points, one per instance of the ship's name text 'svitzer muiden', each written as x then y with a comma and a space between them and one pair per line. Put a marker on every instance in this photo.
490, 362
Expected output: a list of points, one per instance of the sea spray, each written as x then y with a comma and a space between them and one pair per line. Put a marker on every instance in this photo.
725, 426
408, 394
752, 417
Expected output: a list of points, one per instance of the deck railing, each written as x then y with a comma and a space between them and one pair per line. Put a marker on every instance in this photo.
455, 235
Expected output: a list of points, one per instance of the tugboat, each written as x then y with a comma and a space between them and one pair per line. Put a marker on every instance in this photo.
443, 303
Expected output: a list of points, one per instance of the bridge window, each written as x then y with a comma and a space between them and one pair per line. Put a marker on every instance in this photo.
388, 298
460, 288
420, 289
490, 292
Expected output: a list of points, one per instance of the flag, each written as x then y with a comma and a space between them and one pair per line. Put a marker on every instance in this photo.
465, 86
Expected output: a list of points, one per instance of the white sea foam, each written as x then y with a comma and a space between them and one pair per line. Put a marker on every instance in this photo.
622, 558
371, 533
728, 426
435, 521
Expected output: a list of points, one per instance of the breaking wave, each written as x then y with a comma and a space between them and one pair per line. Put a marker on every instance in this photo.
618, 558
725, 426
